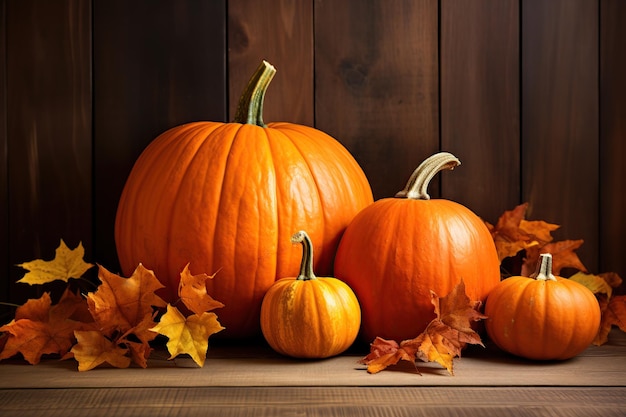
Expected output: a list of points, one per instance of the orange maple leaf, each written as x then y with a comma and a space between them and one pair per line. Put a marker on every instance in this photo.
613, 314
512, 233
563, 256
121, 304
40, 328
93, 349
192, 292
442, 340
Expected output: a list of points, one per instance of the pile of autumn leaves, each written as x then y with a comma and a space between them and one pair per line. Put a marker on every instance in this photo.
113, 324
116, 323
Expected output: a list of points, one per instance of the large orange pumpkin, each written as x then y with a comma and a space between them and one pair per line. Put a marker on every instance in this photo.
542, 317
225, 197
399, 249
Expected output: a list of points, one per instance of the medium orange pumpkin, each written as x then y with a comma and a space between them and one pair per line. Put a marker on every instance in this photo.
310, 317
225, 196
542, 317
397, 250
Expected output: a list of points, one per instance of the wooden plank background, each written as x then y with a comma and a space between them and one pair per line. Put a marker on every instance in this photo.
529, 94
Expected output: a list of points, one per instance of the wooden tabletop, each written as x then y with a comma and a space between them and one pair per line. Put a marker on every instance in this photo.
242, 380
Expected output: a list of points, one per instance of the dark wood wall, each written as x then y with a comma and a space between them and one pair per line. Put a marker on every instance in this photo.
529, 94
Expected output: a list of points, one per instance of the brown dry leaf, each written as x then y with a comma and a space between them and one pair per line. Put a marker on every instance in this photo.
192, 292
513, 233
67, 263
612, 278
39, 328
121, 304
93, 349
613, 314
188, 335
539, 230
443, 340
563, 256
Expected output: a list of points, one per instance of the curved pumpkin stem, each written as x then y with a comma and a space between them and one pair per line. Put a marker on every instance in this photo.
417, 186
544, 269
306, 266
250, 107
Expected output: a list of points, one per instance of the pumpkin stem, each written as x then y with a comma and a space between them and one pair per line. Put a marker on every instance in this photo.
306, 266
250, 107
544, 268
417, 186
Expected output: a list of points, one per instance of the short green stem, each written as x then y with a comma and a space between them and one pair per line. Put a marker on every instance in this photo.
306, 265
544, 269
417, 186
250, 108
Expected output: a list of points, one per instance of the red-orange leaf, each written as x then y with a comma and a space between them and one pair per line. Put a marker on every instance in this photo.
39, 328
442, 341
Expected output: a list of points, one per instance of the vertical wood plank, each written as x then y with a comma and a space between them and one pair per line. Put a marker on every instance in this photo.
612, 135
48, 57
281, 32
156, 65
376, 80
560, 118
4, 195
480, 103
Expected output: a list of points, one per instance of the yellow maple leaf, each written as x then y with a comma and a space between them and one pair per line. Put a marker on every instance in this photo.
93, 349
188, 335
595, 283
67, 263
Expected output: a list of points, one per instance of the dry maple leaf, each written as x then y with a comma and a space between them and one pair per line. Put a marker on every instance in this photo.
188, 335
442, 340
67, 263
192, 292
613, 314
563, 256
93, 349
512, 233
40, 328
121, 304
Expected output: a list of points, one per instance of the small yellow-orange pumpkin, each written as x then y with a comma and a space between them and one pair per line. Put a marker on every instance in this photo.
225, 197
397, 250
310, 317
542, 317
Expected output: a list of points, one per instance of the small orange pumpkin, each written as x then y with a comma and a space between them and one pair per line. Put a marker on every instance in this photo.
310, 317
225, 197
397, 250
542, 317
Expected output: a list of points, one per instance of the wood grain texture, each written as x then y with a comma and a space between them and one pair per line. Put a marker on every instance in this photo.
333, 401
376, 84
5, 313
480, 103
281, 32
249, 364
560, 127
157, 65
48, 76
612, 136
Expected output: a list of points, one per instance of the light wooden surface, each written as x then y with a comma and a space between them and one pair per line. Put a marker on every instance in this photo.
253, 380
